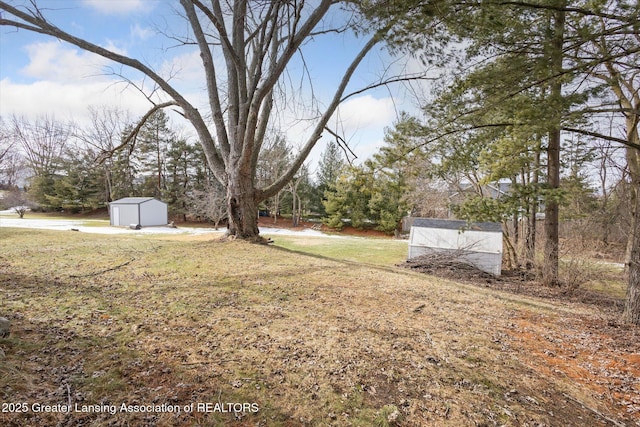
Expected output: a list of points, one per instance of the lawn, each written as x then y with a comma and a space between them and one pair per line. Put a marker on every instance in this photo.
84, 221
374, 251
121, 330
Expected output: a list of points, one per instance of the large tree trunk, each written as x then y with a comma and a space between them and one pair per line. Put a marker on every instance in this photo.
633, 163
551, 246
242, 207
632, 304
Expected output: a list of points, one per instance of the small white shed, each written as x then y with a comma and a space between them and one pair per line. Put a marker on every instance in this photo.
479, 244
142, 211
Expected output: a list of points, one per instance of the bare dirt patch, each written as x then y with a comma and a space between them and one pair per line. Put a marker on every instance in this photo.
519, 282
600, 357
592, 350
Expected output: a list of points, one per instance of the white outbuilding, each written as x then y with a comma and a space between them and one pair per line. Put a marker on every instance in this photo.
478, 244
138, 211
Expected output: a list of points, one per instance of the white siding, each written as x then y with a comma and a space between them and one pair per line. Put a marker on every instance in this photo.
127, 215
143, 211
482, 249
153, 212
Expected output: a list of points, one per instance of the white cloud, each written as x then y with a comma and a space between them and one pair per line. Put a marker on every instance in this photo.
114, 7
53, 61
360, 121
65, 100
365, 113
67, 81
185, 68
141, 33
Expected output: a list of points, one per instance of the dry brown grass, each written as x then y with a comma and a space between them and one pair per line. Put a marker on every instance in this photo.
309, 340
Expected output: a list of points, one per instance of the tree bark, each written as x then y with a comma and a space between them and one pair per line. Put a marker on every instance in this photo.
551, 244
633, 163
632, 261
632, 304
242, 208
532, 220
551, 247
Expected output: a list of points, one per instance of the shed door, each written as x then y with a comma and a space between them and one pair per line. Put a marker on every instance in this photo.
115, 214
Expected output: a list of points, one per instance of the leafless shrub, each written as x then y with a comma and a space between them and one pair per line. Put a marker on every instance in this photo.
210, 203
576, 272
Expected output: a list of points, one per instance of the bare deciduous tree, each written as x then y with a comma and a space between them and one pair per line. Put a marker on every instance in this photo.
11, 162
102, 135
18, 202
256, 41
273, 161
210, 203
43, 142
5, 142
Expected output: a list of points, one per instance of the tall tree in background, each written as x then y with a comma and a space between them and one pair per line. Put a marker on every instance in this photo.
330, 167
273, 161
43, 142
79, 186
618, 45
183, 161
11, 161
549, 46
349, 198
532, 39
555, 54
102, 134
153, 142
256, 42
123, 169
368, 195
6, 144
296, 188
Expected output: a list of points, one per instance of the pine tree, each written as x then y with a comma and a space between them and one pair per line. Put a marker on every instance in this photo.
153, 142
330, 166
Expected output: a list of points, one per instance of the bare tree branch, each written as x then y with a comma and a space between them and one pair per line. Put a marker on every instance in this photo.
389, 81
322, 123
343, 145
602, 136
37, 23
131, 138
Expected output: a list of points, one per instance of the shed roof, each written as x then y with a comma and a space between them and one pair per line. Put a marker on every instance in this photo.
132, 200
454, 224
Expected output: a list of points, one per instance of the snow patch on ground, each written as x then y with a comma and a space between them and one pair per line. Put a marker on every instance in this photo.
9, 219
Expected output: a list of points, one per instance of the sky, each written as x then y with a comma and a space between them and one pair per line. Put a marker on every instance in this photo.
40, 75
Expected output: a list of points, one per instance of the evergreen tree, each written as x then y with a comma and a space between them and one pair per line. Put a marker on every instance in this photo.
349, 199
153, 142
80, 185
368, 195
182, 164
123, 172
330, 166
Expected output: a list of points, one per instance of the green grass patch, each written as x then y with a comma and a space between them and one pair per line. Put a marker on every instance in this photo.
383, 252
